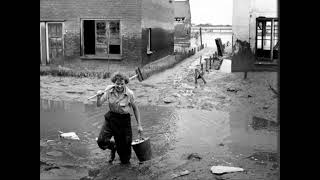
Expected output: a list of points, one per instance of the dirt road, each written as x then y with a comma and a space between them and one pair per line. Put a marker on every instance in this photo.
225, 92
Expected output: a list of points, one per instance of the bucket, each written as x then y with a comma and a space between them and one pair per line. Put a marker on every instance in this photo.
142, 148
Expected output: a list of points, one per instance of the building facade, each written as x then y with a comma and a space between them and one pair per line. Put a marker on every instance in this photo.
244, 20
182, 23
123, 30
255, 27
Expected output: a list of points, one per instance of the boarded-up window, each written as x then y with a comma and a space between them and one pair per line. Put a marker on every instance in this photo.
114, 44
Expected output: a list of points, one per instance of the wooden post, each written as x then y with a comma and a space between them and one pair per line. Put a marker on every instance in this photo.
205, 66
271, 42
195, 76
200, 37
201, 65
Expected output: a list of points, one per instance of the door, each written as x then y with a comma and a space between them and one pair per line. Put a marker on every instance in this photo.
55, 42
266, 39
89, 37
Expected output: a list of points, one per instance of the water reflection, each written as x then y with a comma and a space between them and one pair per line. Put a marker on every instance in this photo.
245, 139
87, 119
172, 132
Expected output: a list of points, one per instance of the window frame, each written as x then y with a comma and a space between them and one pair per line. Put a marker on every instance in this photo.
109, 56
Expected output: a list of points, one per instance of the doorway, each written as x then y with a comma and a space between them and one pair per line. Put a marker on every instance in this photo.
89, 37
267, 39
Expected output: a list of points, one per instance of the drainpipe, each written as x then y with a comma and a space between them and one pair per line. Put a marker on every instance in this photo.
249, 29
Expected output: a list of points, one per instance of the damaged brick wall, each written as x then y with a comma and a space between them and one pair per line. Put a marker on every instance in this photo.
243, 58
71, 44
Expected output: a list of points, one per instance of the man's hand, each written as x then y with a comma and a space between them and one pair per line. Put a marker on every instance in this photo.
100, 93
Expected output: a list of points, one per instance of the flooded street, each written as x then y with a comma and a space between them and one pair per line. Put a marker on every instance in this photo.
217, 137
229, 121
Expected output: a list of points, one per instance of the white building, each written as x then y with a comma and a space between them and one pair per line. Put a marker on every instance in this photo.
246, 14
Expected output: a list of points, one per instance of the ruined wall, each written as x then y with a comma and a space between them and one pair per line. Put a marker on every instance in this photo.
244, 17
242, 58
71, 11
159, 16
182, 29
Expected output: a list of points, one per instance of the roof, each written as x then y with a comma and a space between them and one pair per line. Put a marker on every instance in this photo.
182, 9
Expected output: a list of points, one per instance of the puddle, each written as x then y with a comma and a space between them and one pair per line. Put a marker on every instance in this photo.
173, 132
261, 123
86, 120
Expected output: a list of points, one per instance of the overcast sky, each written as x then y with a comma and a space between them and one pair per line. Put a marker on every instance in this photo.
211, 11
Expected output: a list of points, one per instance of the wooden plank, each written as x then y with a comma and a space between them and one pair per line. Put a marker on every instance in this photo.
43, 43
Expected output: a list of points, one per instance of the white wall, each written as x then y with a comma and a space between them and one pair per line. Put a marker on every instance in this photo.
243, 26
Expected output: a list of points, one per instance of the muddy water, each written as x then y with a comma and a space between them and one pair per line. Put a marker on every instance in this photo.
173, 133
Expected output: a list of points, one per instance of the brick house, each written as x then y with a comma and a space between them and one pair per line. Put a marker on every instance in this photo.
134, 32
182, 23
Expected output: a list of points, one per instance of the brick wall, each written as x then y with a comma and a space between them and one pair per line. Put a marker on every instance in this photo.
128, 11
159, 16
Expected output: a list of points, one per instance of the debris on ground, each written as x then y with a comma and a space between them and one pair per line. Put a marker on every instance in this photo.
54, 153
75, 92
168, 100
47, 166
231, 89
176, 95
273, 90
182, 173
93, 172
194, 156
69, 135
86, 178
225, 169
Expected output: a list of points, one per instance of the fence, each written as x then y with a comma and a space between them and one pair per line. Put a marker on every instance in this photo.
213, 62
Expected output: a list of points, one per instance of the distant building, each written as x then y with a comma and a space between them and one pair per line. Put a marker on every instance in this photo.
131, 31
182, 23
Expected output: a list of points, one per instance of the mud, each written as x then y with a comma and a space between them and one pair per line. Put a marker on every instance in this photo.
207, 123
